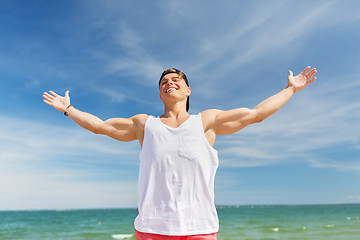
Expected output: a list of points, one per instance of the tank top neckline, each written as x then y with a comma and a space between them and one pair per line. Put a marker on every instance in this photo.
184, 123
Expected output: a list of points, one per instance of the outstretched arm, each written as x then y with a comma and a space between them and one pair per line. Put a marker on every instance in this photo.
121, 129
274, 103
228, 122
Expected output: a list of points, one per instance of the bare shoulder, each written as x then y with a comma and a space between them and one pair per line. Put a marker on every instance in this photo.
140, 120
124, 129
210, 113
227, 122
209, 118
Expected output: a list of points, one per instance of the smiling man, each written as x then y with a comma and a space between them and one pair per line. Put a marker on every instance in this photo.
177, 161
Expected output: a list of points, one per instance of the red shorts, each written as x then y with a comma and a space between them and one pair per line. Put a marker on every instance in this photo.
151, 236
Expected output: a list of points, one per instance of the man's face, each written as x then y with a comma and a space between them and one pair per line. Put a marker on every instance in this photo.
171, 85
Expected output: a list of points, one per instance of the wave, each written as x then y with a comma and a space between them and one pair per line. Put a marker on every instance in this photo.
122, 236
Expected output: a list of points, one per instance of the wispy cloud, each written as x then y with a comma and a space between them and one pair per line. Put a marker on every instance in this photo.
49, 163
344, 165
311, 122
279, 30
114, 95
39, 190
136, 60
35, 139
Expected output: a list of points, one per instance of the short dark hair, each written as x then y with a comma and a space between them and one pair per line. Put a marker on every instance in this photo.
182, 75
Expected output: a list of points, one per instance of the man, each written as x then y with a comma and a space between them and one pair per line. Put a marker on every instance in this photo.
177, 160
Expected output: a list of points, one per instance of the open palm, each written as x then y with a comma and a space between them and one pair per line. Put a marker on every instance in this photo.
300, 81
58, 102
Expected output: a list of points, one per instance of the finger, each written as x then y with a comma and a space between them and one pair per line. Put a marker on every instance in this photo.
54, 93
291, 74
67, 93
305, 70
310, 74
311, 81
48, 98
312, 70
47, 102
48, 95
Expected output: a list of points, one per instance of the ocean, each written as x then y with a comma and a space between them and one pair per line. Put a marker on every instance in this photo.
287, 222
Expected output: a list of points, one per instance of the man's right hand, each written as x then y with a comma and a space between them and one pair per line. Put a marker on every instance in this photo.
58, 102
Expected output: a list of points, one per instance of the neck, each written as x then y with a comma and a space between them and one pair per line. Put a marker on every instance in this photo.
177, 110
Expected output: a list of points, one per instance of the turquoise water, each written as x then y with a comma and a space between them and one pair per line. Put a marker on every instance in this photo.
236, 222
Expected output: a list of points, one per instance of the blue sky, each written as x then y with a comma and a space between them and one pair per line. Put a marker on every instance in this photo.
110, 55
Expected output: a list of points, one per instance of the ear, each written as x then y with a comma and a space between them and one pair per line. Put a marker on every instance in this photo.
188, 91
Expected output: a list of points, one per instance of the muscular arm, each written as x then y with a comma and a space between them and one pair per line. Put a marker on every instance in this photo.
122, 129
217, 122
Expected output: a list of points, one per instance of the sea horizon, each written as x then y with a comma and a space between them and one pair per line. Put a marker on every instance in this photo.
217, 206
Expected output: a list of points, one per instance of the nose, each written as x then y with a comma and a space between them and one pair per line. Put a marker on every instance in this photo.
170, 82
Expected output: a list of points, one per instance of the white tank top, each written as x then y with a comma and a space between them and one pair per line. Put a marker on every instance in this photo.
176, 180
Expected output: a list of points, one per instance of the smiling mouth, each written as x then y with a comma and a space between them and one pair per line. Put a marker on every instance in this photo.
170, 89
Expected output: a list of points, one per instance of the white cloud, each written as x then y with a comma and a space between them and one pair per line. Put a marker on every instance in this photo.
276, 30
335, 164
45, 166
310, 125
136, 61
129, 39
267, 35
38, 190
34, 139
114, 95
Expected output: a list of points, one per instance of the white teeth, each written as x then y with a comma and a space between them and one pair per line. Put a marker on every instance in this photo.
170, 89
